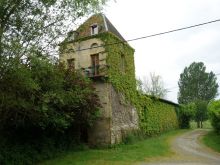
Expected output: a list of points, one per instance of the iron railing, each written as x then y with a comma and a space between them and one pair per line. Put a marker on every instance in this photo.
95, 71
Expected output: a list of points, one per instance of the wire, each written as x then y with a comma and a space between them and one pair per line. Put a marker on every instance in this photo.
152, 35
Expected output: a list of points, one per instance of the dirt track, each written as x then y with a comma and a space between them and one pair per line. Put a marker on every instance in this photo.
189, 151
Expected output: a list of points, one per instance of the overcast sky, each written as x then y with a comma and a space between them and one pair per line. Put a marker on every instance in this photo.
167, 55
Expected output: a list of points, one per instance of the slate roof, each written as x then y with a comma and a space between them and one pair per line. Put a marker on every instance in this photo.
110, 27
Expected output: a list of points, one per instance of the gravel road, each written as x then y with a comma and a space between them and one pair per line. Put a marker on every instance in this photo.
187, 150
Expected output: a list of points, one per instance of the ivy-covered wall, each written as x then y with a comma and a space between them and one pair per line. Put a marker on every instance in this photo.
154, 116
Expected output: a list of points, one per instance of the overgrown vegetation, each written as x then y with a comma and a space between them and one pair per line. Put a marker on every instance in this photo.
154, 116
130, 153
43, 108
186, 114
212, 140
199, 87
39, 25
214, 115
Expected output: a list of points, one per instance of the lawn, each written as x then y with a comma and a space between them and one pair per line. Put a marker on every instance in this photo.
121, 154
212, 140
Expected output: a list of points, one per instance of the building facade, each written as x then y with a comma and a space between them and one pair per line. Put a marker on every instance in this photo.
98, 51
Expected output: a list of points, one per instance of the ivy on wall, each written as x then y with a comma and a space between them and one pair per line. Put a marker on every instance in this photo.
154, 116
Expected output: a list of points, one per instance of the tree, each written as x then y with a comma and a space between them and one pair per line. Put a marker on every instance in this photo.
197, 84
41, 95
199, 87
185, 114
38, 25
201, 112
153, 87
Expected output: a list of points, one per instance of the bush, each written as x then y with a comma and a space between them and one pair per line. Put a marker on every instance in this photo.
44, 109
44, 95
214, 115
185, 114
26, 147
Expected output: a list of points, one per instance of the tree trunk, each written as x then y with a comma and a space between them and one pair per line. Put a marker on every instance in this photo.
198, 124
201, 124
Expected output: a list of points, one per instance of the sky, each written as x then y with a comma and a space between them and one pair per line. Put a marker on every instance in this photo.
167, 55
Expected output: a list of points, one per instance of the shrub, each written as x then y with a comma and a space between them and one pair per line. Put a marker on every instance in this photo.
214, 115
44, 109
185, 114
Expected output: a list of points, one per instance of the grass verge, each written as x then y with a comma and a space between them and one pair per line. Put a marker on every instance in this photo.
120, 154
212, 140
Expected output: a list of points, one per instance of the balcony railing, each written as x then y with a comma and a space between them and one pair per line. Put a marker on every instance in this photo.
95, 71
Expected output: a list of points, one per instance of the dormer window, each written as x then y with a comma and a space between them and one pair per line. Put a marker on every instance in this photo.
94, 29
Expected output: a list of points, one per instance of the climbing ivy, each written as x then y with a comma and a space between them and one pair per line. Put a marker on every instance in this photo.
154, 116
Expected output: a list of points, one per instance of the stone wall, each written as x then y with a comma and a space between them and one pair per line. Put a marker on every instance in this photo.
124, 117
117, 117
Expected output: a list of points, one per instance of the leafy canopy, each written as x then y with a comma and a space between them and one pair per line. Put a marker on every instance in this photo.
39, 25
40, 94
197, 84
214, 114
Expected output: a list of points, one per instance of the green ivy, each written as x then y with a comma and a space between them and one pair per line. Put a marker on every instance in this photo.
154, 116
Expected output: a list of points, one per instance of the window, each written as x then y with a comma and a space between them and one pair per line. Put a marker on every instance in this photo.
95, 64
94, 29
71, 63
122, 63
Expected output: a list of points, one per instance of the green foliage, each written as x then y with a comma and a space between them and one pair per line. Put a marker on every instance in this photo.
212, 140
185, 114
40, 94
43, 109
201, 112
39, 24
131, 153
214, 115
157, 117
23, 147
196, 84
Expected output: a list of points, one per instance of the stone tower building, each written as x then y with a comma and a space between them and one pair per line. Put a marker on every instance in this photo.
99, 51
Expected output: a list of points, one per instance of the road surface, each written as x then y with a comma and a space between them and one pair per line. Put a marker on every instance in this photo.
188, 150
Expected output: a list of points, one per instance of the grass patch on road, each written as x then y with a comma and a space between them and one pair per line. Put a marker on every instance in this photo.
124, 154
212, 140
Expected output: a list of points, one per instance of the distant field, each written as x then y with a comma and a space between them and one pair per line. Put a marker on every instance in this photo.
212, 140
119, 155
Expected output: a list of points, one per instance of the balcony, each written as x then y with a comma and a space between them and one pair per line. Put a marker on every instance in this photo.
95, 71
